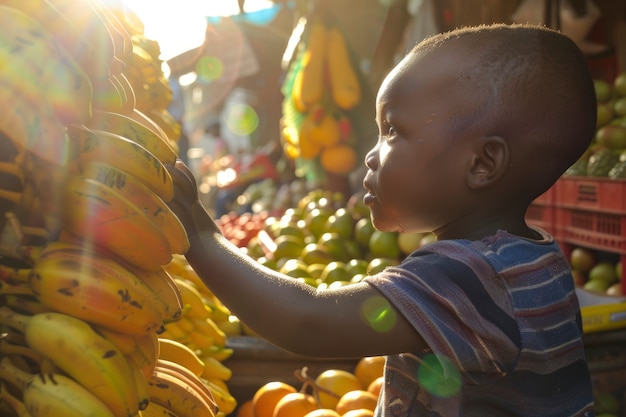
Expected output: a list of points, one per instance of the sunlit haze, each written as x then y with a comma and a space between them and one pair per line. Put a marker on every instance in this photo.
178, 25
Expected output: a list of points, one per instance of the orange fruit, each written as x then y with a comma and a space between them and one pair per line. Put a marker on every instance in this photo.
323, 412
265, 398
356, 400
362, 412
369, 368
295, 404
246, 409
337, 381
338, 159
376, 385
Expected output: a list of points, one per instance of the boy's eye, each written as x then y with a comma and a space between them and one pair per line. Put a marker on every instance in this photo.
391, 131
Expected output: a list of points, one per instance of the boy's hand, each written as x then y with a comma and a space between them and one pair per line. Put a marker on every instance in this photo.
185, 203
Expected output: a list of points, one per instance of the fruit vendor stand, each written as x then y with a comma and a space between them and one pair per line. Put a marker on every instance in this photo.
100, 313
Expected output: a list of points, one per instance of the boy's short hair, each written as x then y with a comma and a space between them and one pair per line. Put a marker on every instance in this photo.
533, 84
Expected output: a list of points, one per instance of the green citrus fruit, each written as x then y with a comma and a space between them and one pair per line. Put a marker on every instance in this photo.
316, 221
314, 253
363, 230
376, 265
315, 270
384, 244
288, 247
340, 222
356, 266
334, 245
335, 271
295, 268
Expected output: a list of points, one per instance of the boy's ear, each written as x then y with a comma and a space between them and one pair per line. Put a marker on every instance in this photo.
490, 161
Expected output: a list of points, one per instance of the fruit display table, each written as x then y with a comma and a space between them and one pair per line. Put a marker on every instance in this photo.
256, 362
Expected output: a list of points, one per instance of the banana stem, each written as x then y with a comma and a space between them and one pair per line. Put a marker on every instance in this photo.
12, 319
14, 274
10, 349
24, 304
13, 375
12, 196
13, 402
21, 288
11, 168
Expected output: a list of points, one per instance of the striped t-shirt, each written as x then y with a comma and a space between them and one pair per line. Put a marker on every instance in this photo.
503, 325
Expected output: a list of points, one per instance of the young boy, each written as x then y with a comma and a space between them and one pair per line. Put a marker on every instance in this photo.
473, 125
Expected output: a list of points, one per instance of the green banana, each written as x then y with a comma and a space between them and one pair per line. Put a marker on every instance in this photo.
84, 355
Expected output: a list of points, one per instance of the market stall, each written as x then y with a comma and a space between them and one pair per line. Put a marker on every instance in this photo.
101, 314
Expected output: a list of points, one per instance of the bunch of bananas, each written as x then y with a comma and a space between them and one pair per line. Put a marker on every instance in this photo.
86, 234
322, 85
196, 339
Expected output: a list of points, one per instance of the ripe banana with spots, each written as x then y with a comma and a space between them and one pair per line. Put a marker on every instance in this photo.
94, 288
156, 410
80, 352
162, 283
174, 393
143, 198
178, 371
38, 67
100, 214
126, 126
124, 154
53, 394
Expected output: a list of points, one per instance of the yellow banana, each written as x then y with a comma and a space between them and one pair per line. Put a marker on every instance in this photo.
128, 94
224, 399
32, 126
155, 410
345, 87
96, 289
167, 122
199, 341
220, 353
99, 214
178, 371
84, 355
174, 332
53, 395
107, 95
84, 38
124, 342
145, 199
175, 394
18, 407
192, 300
141, 117
162, 284
215, 369
122, 40
185, 324
308, 86
126, 126
145, 354
38, 68
125, 154
141, 384
174, 351
208, 327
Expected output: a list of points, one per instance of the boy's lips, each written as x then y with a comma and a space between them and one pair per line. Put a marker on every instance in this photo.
369, 196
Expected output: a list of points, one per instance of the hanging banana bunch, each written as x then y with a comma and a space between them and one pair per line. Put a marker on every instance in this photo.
86, 235
321, 87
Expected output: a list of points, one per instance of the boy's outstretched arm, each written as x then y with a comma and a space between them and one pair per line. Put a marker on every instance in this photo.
282, 310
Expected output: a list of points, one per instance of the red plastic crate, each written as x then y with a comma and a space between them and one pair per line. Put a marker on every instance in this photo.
592, 229
598, 194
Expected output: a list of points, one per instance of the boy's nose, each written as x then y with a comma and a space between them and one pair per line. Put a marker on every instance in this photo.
371, 159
